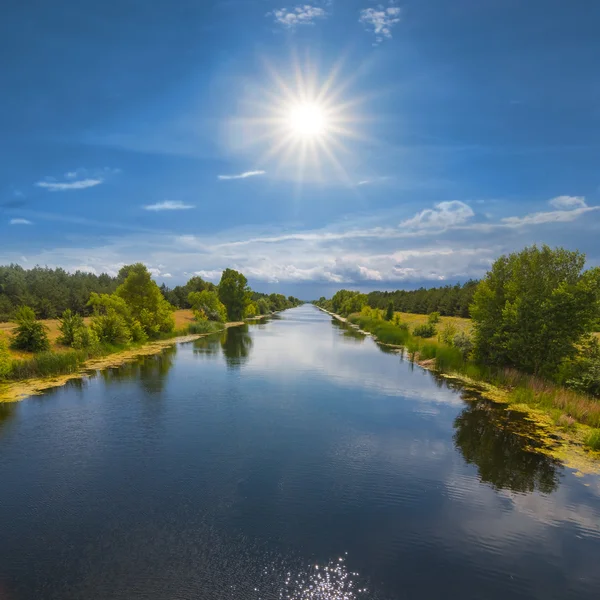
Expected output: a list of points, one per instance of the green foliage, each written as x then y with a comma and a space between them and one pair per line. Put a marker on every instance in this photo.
533, 308
389, 313
448, 300
426, 330
30, 334
592, 440
234, 293
433, 318
49, 291
345, 302
398, 321
448, 333
70, 325
85, 338
145, 302
263, 307
178, 296
204, 327
582, 372
45, 364
206, 305
250, 310
111, 328
4, 358
464, 343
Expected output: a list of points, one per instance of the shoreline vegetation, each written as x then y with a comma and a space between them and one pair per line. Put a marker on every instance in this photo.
531, 342
134, 320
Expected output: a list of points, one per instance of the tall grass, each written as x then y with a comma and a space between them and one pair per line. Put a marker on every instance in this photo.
49, 363
204, 327
592, 440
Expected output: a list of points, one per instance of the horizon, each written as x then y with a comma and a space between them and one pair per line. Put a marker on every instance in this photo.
311, 146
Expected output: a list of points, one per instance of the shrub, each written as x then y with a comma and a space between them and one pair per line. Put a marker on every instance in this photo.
426, 330
398, 321
70, 324
30, 334
111, 328
433, 318
464, 343
448, 334
85, 337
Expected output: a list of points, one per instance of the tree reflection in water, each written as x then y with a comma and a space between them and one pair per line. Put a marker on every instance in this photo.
236, 344
502, 443
151, 371
7, 411
348, 332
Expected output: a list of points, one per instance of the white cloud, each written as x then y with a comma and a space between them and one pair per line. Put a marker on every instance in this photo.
304, 14
555, 216
568, 202
443, 215
241, 175
20, 222
380, 20
55, 186
167, 275
168, 205
71, 174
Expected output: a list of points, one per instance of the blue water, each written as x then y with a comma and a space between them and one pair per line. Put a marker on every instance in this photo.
290, 459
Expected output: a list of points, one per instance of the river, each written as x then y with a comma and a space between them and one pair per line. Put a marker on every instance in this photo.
294, 459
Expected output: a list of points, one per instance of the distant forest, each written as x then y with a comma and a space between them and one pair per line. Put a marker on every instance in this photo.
449, 300
49, 292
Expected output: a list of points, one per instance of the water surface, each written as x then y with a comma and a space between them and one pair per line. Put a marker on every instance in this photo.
288, 459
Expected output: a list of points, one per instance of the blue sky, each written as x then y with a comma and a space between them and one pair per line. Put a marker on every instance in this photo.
160, 132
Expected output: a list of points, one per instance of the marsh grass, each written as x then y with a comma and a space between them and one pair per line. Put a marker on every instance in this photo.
592, 440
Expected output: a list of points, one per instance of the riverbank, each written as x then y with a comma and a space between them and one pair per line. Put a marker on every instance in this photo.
559, 434
15, 391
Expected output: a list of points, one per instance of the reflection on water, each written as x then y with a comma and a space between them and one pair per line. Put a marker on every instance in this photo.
347, 331
501, 444
235, 344
150, 371
221, 468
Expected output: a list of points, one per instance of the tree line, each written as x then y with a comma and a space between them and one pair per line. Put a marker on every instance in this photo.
449, 300
534, 311
49, 292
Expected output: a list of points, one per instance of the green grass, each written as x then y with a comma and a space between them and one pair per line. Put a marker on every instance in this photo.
592, 440
204, 327
45, 364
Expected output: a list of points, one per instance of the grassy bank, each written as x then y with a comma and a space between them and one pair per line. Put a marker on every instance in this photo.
576, 416
32, 373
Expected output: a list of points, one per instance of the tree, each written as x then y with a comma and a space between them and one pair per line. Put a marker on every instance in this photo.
70, 324
112, 322
234, 293
145, 301
389, 313
30, 334
533, 308
206, 305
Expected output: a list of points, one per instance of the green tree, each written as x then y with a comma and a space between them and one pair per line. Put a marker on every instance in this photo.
234, 293
112, 320
533, 308
206, 305
30, 334
389, 313
70, 324
145, 301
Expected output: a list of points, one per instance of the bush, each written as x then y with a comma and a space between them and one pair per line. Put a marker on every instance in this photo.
464, 343
204, 327
84, 338
448, 334
45, 364
426, 330
111, 328
70, 324
30, 334
433, 318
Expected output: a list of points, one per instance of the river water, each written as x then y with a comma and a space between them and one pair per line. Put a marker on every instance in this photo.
289, 459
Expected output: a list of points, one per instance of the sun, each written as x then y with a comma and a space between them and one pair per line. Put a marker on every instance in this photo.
307, 120
301, 122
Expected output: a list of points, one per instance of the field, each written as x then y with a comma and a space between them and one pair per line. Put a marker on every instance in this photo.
413, 320
182, 319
